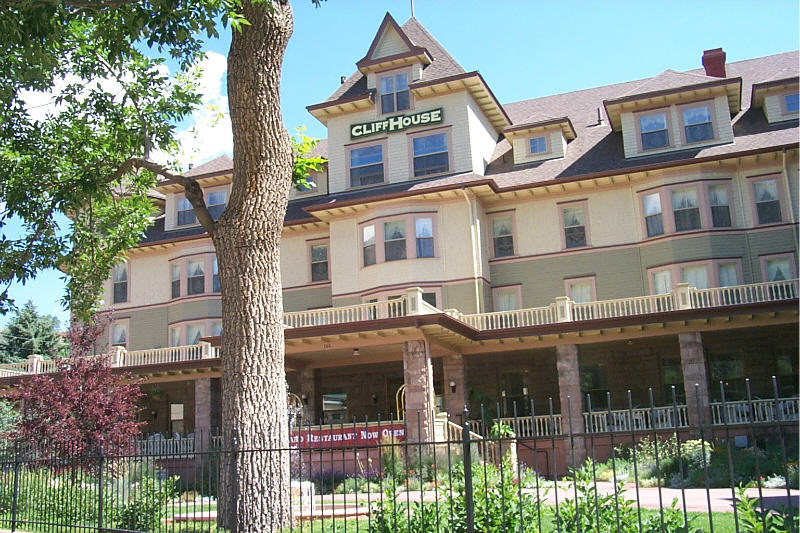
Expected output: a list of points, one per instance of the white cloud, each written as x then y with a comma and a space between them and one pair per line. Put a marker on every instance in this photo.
210, 134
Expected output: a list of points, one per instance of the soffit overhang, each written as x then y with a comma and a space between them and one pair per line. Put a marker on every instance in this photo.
760, 90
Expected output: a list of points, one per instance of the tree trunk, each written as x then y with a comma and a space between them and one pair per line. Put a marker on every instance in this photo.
254, 483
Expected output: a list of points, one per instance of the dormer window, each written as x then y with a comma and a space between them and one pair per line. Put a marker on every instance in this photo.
538, 145
185, 212
216, 202
394, 92
791, 103
697, 125
654, 131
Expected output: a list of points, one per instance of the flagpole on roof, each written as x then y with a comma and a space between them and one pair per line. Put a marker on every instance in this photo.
412, 9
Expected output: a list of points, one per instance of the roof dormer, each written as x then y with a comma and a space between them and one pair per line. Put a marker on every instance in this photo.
540, 140
391, 48
778, 96
675, 111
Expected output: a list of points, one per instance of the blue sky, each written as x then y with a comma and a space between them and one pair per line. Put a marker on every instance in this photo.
523, 49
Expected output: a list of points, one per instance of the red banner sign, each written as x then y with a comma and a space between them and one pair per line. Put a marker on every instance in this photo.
334, 437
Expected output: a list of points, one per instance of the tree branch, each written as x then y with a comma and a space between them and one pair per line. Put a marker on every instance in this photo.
193, 191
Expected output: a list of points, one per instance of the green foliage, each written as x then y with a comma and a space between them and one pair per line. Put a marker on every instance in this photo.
499, 430
304, 163
357, 484
754, 520
594, 511
9, 418
30, 333
145, 509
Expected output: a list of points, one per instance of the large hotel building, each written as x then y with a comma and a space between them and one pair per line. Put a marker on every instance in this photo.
459, 250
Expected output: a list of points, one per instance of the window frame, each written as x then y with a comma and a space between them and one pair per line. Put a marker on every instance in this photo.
712, 115
547, 145
584, 205
709, 207
169, 336
592, 280
711, 266
379, 95
404, 238
511, 213
363, 246
201, 324
698, 206
785, 112
637, 116
125, 323
189, 277
664, 225
175, 267
348, 148
207, 195
216, 287
780, 192
178, 211
409, 219
115, 283
410, 136
789, 256
310, 245
434, 240
516, 289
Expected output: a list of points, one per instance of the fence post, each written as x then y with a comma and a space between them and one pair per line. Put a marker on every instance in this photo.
469, 505
563, 309
682, 297
100, 491
15, 494
205, 350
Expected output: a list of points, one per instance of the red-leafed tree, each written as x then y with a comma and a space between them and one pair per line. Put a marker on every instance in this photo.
81, 407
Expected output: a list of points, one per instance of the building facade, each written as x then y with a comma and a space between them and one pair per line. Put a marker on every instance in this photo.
459, 251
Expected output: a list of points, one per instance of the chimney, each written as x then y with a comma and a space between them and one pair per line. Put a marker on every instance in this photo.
714, 62
343, 79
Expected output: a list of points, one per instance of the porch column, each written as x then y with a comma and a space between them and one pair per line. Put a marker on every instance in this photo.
454, 386
418, 377
570, 395
693, 364
202, 412
308, 393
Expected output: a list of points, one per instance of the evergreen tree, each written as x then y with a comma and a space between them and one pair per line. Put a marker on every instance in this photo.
30, 333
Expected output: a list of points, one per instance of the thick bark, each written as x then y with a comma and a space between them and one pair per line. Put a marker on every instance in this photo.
255, 483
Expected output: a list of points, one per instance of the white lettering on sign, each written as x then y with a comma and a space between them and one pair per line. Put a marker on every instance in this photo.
396, 123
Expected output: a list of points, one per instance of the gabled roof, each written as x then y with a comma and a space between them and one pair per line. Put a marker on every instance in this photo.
669, 79
395, 40
787, 77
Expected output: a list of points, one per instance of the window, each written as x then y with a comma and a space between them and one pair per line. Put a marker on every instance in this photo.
653, 130
194, 332
216, 328
685, 209
319, 262
662, 282
174, 336
695, 276
366, 165
580, 291
429, 298
215, 285
502, 236
538, 145
196, 279
120, 283
594, 383
672, 375
777, 269
697, 124
176, 419
430, 154
119, 334
175, 280
652, 214
309, 185
334, 407
423, 230
728, 274
791, 103
368, 244
394, 92
185, 212
394, 240
574, 226
768, 206
216, 203
506, 298
720, 206
730, 370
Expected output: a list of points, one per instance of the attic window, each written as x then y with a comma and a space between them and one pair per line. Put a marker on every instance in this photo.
654, 131
394, 92
791, 103
538, 145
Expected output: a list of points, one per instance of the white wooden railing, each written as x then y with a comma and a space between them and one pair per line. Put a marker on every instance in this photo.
743, 294
349, 313
524, 426
784, 409
638, 305
635, 419
534, 316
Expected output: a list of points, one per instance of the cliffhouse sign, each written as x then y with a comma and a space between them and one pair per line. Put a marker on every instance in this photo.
395, 123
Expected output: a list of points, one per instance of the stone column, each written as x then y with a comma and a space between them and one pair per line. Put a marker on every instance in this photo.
202, 413
455, 397
693, 364
418, 376
308, 393
570, 395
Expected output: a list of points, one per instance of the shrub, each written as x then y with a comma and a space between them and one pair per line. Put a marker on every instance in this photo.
144, 510
357, 484
753, 520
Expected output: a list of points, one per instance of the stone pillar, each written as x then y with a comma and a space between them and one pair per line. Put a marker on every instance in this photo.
570, 395
693, 364
418, 377
202, 413
308, 393
455, 396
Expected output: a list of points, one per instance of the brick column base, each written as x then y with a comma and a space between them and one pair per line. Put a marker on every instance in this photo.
418, 376
202, 412
570, 394
308, 392
455, 397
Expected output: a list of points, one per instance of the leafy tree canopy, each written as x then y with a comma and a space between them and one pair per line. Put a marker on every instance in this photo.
86, 101
30, 333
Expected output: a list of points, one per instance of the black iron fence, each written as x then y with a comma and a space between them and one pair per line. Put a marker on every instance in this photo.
737, 475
